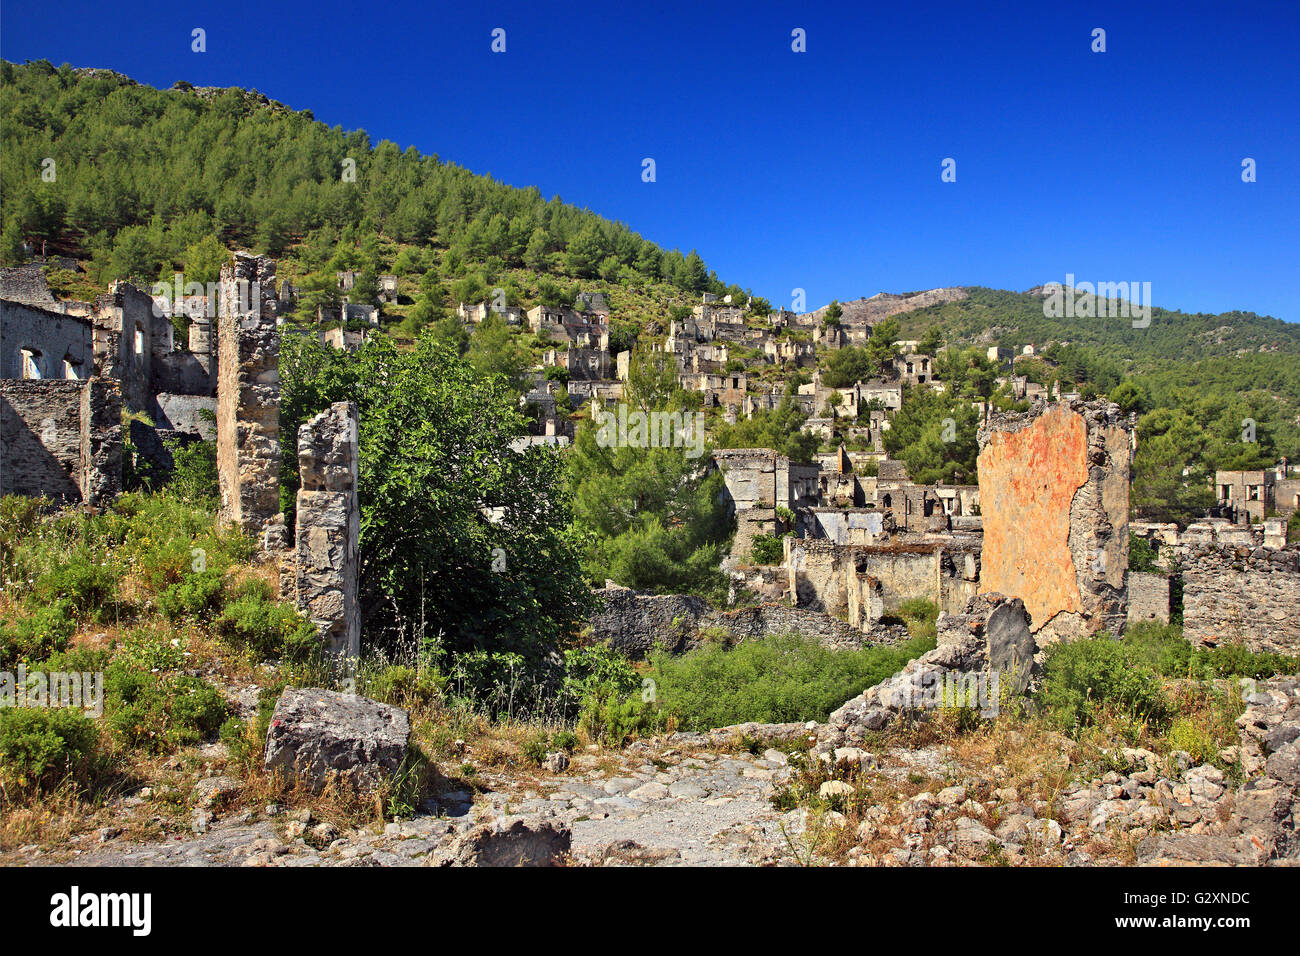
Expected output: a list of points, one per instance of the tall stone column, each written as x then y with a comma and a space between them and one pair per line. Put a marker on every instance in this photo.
1054, 495
327, 559
100, 453
248, 393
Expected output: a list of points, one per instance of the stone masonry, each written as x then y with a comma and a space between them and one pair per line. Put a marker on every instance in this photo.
1148, 597
1242, 595
1054, 487
61, 439
327, 558
636, 624
248, 393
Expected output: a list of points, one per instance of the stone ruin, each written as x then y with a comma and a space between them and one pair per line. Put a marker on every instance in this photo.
1054, 495
248, 394
1242, 594
980, 655
69, 369
61, 439
322, 575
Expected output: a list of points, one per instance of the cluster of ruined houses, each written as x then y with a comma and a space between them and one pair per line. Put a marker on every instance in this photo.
70, 369
1047, 523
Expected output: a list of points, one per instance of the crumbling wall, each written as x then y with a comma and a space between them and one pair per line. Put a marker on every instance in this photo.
1148, 597
61, 439
248, 393
1054, 499
40, 438
636, 624
56, 336
327, 559
749, 524
1242, 595
100, 442
833, 578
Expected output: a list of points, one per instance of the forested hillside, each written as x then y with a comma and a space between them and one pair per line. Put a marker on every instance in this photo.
142, 182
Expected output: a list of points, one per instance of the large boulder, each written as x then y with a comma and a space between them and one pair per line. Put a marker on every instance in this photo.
318, 735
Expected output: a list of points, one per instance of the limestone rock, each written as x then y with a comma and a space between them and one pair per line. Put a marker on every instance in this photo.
512, 841
318, 734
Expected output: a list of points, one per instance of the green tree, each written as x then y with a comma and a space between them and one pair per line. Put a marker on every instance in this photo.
464, 541
834, 312
652, 518
934, 433
494, 349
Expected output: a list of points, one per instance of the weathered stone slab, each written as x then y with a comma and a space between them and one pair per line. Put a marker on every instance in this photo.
319, 735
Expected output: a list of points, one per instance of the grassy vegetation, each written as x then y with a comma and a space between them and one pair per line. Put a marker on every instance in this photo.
772, 680
1149, 690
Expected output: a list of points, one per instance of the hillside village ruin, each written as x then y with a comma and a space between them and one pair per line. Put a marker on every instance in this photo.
1047, 521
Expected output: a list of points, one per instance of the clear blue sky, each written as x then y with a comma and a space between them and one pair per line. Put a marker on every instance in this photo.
818, 170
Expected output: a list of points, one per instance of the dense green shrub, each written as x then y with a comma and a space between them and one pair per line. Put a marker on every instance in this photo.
41, 747
597, 666
254, 620
193, 478
198, 595
1085, 680
770, 680
158, 713
34, 637
613, 720
767, 549
1141, 556
1164, 648
84, 579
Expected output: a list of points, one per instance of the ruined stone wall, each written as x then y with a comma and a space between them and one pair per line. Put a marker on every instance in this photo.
181, 373
100, 444
1148, 597
61, 439
1243, 595
829, 577
327, 559
40, 438
1054, 489
750, 476
635, 624
248, 393
750, 523
54, 335
125, 339
857, 526
766, 620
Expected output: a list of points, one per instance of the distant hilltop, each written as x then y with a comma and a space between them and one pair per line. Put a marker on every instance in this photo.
884, 304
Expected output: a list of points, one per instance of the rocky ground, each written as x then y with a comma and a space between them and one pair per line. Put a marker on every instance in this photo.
758, 795
656, 805
683, 801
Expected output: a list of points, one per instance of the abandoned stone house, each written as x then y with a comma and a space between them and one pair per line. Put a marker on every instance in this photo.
472, 313
1247, 497
120, 345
